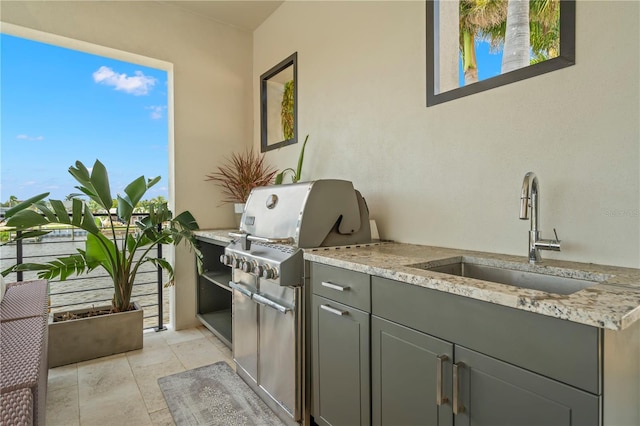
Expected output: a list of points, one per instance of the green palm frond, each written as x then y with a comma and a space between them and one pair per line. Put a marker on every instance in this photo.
121, 262
487, 20
162, 263
61, 268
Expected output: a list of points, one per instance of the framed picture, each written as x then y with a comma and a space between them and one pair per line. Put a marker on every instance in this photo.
279, 105
473, 49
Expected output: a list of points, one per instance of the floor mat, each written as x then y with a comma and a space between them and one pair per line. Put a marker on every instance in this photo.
214, 395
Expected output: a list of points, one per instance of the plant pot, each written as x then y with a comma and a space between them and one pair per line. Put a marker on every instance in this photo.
94, 337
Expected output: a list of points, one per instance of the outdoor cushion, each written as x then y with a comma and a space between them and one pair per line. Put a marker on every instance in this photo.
23, 350
16, 407
24, 299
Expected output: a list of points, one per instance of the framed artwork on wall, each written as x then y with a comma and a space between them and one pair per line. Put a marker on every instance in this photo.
279, 105
476, 46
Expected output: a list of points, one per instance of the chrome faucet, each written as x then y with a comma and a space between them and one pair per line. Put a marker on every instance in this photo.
530, 197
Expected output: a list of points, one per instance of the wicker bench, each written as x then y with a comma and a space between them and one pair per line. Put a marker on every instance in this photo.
23, 351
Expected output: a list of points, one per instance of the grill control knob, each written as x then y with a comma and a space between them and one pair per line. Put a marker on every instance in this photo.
235, 262
268, 273
258, 270
225, 259
245, 265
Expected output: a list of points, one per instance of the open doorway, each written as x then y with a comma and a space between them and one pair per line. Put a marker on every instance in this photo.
64, 100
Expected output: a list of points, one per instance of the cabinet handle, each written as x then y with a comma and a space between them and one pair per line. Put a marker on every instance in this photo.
440, 359
335, 286
457, 406
334, 310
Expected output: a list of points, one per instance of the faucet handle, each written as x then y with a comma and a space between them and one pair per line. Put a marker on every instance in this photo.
547, 245
543, 244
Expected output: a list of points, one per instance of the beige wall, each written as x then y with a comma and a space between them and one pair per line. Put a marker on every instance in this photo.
212, 94
450, 175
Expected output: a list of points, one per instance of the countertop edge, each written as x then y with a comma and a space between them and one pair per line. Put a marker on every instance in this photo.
613, 304
582, 307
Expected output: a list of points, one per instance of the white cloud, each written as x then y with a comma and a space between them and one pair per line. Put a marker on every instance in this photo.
138, 84
29, 138
157, 111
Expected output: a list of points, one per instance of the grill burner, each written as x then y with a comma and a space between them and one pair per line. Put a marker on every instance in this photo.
282, 264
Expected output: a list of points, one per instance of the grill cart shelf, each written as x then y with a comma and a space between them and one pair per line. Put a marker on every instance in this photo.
213, 293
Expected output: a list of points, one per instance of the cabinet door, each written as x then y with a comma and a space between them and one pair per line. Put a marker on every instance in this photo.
245, 333
494, 393
340, 363
410, 376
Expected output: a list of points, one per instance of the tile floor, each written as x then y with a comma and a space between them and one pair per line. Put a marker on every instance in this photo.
123, 389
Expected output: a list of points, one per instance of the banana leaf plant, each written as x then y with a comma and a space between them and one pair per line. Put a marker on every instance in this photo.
120, 256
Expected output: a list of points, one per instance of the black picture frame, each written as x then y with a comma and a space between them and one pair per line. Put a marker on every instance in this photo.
269, 134
566, 58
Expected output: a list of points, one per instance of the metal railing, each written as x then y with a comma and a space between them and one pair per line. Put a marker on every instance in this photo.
88, 290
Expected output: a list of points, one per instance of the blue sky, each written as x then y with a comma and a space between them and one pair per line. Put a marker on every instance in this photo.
59, 105
489, 64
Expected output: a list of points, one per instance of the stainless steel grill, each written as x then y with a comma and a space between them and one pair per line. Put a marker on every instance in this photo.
266, 257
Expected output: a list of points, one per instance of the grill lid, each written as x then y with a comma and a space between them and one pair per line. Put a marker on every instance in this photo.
307, 213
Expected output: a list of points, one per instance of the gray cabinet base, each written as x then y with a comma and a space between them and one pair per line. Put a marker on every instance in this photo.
404, 376
340, 364
494, 393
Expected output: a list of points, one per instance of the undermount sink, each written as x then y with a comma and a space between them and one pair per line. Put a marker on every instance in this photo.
523, 279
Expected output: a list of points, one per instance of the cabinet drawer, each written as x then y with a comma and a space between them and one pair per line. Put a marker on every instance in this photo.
344, 286
563, 350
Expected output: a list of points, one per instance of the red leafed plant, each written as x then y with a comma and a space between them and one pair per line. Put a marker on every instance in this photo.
244, 172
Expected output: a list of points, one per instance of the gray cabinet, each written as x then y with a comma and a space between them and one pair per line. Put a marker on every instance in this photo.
563, 350
494, 393
477, 389
420, 379
341, 363
432, 350
410, 376
340, 346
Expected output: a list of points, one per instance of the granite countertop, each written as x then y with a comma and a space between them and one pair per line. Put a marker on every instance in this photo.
220, 235
612, 303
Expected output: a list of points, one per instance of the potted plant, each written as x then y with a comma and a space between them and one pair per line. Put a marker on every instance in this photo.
244, 172
295, 174
120, 257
